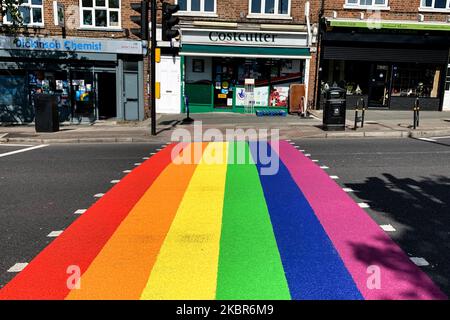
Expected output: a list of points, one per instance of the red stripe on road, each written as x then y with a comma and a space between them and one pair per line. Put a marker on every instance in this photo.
45, 278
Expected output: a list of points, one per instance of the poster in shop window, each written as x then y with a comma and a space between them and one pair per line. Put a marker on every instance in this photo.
279, 96
261, 96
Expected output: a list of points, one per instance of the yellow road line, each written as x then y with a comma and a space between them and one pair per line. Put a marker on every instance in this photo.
186, 267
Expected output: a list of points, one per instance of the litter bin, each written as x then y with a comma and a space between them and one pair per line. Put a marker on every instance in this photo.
46, 113
335, 110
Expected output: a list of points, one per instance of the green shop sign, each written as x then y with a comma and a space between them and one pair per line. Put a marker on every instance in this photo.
371, 24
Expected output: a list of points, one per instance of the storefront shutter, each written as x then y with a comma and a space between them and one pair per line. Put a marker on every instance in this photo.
386, 54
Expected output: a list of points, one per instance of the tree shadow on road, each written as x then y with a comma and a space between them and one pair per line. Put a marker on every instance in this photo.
421, 211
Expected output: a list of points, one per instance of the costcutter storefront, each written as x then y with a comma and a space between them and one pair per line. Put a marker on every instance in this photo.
92, 78
215, 64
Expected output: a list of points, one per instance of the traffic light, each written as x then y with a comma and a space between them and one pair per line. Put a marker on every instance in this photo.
169, 21
141, 19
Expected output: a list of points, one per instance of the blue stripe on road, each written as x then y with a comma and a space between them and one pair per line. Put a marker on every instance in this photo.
313, 267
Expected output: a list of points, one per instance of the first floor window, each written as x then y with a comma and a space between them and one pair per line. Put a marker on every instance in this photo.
100, 13
435, 4
198, 6
366, 3
280, 7
31, 12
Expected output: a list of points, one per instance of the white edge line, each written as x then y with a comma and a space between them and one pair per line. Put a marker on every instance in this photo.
18, 267
80, 211
23, 150
54, 234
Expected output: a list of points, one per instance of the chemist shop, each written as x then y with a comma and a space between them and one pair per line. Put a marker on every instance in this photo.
220, 69
93, 79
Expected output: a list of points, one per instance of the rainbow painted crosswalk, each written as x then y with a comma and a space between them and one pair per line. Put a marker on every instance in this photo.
205, 230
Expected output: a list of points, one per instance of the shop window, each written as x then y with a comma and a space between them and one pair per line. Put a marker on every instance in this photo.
270, 8
31, 12
413, 80
377, 4
435, 5
197, 6
100, 13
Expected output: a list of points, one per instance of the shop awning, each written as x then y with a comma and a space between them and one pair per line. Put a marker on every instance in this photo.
244, 52
389, 24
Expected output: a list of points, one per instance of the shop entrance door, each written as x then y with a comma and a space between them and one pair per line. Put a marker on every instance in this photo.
168, 75
224, 80
106, 95
83, 96
379, 86
446, 106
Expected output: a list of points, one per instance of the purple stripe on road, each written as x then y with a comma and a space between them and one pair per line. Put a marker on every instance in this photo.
361, 243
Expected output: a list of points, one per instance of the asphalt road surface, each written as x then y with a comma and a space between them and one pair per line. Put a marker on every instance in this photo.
406, 183
41, 189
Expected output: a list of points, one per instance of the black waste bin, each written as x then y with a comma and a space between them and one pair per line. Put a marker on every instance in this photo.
335, 109
46, 113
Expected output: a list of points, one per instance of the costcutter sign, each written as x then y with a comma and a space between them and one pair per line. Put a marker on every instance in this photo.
244, 38
72, 45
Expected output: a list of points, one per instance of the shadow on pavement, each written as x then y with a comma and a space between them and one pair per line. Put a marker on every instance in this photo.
420, 210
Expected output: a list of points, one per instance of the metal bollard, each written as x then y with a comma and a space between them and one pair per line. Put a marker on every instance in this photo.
416, 114
363, 114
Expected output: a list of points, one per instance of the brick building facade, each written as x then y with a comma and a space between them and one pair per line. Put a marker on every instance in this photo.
95, 65
387, 52
220, 48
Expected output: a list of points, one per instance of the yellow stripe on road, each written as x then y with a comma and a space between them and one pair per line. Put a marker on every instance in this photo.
186, 267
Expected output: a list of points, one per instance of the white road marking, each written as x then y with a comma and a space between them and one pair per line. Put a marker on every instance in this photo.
307, 155
348, 190
145, 158
437, 138
428, 140
288, 140
54, 234
18, 267
127, 171
315, 161
324, 167
137, 164
80, 211
99, 195
23, 150
363, 205
420, 262
388, 228
115, 181
153, 153
334, 177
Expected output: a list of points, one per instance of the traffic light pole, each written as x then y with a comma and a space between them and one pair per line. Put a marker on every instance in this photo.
153, 66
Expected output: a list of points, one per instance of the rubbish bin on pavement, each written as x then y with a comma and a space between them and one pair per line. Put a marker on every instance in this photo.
335, 109
46, 113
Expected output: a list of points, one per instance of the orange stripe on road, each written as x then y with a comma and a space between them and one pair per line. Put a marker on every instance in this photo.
122, 268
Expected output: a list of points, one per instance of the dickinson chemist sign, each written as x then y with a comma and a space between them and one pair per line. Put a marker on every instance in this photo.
244, 38
71, 45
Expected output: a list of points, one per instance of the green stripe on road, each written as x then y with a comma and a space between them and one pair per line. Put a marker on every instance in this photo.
249, 262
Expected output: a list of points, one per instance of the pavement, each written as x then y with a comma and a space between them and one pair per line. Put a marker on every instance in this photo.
387, 124
302, 236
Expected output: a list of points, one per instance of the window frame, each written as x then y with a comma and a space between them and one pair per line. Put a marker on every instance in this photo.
423, 8
372, 6
108, 10
201, 12
32, 23
263, 15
